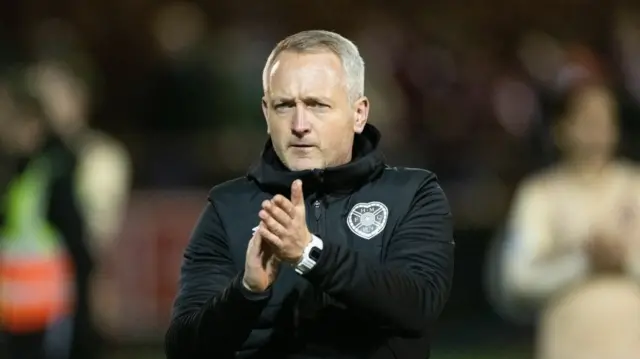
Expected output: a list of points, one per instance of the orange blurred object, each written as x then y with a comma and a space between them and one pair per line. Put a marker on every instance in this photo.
34, 293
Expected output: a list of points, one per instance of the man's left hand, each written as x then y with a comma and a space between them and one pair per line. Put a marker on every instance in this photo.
284, 225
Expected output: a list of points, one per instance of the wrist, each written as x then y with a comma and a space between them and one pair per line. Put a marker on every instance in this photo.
250, 292
252, 288
300, 257
248, 287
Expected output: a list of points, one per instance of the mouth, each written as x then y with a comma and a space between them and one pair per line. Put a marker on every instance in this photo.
301, 146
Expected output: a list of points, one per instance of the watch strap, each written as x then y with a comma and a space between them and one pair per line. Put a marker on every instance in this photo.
307, 263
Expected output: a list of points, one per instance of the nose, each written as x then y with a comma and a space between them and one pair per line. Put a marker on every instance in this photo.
300, 125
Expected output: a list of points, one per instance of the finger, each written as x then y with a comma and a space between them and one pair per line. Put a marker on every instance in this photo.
278, 214
284, 204
270, 237
271, 223
253, 249
297, 197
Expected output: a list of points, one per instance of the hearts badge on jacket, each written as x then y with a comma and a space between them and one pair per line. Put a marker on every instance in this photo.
367, 220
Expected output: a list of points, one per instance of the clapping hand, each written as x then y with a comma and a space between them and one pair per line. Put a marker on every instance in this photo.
283, 224
261, 265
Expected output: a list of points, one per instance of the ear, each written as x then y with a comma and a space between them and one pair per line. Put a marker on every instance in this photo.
265, 112
361, 114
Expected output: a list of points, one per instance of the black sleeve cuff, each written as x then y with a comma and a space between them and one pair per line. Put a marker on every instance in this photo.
324, 264
228, 319
245, 293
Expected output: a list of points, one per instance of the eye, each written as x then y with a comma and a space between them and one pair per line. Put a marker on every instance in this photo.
283, 105
316, 105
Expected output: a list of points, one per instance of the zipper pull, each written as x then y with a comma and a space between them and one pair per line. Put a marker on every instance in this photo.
316, 209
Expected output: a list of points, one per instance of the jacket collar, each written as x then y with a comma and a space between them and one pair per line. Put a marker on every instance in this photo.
367, 163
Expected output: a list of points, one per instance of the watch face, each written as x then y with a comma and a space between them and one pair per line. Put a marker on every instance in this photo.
314, 253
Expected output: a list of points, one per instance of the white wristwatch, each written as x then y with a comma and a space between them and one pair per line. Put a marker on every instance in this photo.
310, 255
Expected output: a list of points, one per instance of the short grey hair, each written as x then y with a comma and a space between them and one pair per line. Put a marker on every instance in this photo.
311, 41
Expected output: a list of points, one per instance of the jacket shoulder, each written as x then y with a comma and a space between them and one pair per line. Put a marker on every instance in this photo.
409, 175
403, 186
231, 189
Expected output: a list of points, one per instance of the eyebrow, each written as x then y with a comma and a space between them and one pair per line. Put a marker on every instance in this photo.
283, 99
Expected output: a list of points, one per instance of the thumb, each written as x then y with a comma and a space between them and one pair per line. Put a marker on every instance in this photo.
297, 198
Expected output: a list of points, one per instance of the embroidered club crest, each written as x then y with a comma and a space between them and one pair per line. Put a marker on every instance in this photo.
368, 219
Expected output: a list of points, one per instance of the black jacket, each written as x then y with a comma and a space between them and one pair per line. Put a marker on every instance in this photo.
365, 298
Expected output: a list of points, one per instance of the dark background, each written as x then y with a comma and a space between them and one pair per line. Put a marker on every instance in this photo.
463, 88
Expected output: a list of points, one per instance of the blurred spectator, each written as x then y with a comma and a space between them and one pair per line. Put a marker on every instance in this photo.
40, 228
103, 176
573, 238
104, 168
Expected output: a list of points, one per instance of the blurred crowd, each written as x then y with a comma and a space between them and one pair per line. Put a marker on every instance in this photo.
464, 92
166, 95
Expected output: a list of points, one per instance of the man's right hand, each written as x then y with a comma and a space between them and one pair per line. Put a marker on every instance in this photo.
261, 265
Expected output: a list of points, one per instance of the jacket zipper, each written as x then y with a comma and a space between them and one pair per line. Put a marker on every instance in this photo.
317, 210
317, 213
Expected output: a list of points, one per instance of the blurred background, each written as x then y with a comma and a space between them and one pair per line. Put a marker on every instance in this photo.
160, 100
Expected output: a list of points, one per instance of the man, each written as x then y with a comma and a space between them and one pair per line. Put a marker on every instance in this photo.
104, 169
102, 179
574, 238
348, 258
41, 233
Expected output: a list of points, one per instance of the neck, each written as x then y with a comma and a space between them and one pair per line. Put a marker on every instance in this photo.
343, 160
589, 167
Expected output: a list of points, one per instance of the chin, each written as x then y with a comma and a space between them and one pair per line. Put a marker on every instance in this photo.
303, 164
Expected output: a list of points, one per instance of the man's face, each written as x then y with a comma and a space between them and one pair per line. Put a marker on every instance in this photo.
591, 127
310, 117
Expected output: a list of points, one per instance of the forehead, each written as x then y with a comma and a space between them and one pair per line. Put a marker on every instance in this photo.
294, 74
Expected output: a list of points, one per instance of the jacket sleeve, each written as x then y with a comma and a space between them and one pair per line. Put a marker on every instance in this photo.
213, 313
409, 290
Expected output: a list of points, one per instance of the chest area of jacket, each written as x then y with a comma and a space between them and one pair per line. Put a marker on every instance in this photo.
363, 221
